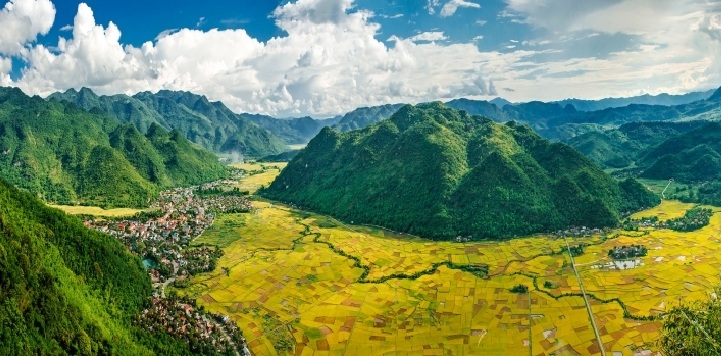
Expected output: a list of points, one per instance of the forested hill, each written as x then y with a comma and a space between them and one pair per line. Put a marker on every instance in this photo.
691, 157
69, 155
211, 125
440, 173
65, 289
627, 144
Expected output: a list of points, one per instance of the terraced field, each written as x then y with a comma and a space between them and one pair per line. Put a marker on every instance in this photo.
301, 283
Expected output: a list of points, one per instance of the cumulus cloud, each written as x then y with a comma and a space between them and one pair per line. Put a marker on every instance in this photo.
329, 60
6, 65
450, 7
22, 21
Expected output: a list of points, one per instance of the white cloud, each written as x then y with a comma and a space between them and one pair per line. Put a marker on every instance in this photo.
477, 38
22, 21
66, 28
481, 22
165, 33
451, 6
6, 65
200, 22
329, 61
429, 37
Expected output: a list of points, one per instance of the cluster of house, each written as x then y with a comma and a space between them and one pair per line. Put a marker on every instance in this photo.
578, 231
180, 319
627, 252
164, 236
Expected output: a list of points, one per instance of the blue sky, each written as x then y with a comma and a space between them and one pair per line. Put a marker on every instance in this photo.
324, 57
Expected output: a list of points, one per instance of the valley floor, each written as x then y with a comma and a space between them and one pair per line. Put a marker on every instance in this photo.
302, 283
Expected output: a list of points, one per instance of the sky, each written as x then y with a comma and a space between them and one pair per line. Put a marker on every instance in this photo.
326, 57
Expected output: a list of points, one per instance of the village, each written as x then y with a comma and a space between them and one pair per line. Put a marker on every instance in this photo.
162, 238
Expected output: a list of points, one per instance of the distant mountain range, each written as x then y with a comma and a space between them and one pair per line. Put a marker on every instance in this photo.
215, 127
661, 99
628, 144
440, 173
209, 124
563, 120
694, 156
68, 155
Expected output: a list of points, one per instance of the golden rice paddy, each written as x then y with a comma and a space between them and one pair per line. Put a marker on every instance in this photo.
96, 210
253, 182
305, 284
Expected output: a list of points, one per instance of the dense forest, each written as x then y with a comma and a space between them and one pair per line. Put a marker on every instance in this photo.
626, 145
691, 157
67, 289
211, 125
441, 173
68, 155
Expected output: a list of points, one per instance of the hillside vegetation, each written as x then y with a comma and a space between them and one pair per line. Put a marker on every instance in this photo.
68, 155
691, 157
626, 145
211, 125
67, 290
441, 173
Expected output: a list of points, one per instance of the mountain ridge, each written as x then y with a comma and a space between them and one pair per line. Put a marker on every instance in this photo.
440, 173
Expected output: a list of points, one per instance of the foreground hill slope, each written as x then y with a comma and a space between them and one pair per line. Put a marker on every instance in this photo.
440, 173
65, 289
211, 125
68, 155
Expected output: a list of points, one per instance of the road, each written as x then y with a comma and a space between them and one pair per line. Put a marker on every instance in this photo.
585, 298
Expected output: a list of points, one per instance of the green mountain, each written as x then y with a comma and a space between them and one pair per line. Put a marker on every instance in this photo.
624, 146
562, 120
362, 117
660, 99
209, 124
691, 157
293, 131
441, 173
68, 155
65, 289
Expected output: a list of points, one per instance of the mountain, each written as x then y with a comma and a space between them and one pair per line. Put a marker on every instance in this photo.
69, 155
211, 125
500, 102
440, 173
661, 99
476, 107
624, 146
563, 121
362, 117
691, 157
65, 289
293, 131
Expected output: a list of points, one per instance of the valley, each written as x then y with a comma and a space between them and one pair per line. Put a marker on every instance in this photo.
298, 282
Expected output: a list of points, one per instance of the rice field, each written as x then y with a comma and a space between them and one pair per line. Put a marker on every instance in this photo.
96, 210
306, 284
253, 182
